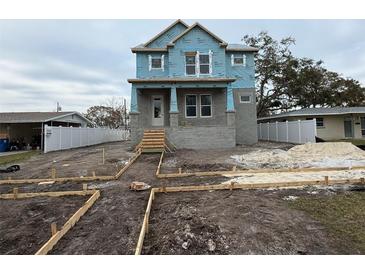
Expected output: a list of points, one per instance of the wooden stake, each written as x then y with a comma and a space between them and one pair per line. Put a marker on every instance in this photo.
103, 156
326, 180
84, 187
234, 168
180, 169
53, 228
362, 181
94, 174
15, 192
53, 173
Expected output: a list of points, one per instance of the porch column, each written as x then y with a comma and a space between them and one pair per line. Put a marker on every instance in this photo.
231, 115
174, 111
134, 101
135, 127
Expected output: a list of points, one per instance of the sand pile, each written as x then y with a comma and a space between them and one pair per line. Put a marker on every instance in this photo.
329, 154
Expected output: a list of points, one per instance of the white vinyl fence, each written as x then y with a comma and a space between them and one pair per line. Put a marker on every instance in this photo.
297, 132
60, 138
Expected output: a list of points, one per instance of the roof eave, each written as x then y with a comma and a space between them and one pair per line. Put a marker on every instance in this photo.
183, 80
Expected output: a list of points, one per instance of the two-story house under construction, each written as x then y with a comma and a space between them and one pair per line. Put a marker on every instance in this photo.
196, 87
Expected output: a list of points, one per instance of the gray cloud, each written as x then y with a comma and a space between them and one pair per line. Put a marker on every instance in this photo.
83, 62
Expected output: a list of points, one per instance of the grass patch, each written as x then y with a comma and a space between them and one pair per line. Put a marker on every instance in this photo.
343, 216
9, 159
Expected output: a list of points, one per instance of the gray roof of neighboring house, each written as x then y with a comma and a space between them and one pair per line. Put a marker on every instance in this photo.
240, 47
317, 112
35, 117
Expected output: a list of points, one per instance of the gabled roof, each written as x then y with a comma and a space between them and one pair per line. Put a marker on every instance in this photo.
172, 43
166, 30
317, 112
36, 117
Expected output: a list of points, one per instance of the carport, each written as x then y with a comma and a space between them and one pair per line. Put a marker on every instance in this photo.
25, 129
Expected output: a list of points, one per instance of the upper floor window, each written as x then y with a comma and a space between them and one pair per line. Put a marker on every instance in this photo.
156, 62
197, 63
190, 63
238, 59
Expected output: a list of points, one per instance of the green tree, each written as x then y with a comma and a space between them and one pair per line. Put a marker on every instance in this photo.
285, 82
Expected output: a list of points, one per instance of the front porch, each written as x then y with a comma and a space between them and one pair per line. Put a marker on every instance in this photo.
193, 116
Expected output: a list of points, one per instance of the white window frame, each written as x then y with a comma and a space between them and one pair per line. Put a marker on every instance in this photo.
196, 106
197, 63
191, 65
201, 105
161, 57
205, 64
243, 60
245, 102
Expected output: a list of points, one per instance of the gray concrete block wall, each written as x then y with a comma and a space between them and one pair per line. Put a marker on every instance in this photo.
202, 137
246, 120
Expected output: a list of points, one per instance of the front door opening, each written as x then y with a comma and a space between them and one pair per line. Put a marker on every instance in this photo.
157, 111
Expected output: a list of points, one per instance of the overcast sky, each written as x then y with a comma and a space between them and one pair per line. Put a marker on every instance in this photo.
80, 63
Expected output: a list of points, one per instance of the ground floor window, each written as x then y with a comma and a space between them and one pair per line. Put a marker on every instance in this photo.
206, 105
363, 126
190, 106
319, 122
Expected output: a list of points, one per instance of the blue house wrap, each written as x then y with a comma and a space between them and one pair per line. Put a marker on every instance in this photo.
196, 86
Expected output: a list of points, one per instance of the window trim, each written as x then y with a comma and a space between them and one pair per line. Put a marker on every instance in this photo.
233, 56
361, 124
190, 65
211, 105
205, 64
196, 106
245, 102
156, 57
197, 63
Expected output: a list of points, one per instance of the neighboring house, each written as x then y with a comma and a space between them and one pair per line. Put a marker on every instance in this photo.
332, 123
197, 87
28, 127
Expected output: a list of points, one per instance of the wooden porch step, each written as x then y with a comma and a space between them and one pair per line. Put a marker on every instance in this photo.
153, 141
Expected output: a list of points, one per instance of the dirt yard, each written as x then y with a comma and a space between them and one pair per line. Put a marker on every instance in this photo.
25, 224
244, 222
219, 222
75, 162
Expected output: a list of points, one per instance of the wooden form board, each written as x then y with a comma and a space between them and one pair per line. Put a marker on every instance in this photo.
232, 186
57, 235
73, 179
145, 223
238, 172
68, 225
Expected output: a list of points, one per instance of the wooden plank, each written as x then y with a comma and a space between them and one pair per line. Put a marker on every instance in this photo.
46, 194
120, 172
254, 171
144, 228
68, 225
258, 185
73, 179
160, 163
